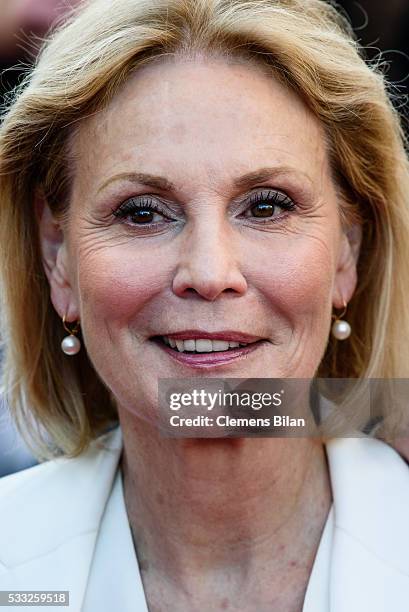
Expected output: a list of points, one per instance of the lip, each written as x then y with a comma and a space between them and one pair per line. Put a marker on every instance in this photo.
206, 360
227, 335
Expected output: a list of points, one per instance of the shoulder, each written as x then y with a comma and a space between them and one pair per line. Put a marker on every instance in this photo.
58, 471
42, 506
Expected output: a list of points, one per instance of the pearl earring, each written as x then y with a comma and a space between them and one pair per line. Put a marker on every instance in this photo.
71, 345
341, 330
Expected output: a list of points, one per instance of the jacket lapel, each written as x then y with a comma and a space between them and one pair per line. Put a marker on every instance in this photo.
370, 554
66, 500
65, 503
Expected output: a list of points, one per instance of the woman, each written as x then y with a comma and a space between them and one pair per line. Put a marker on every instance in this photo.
180, 177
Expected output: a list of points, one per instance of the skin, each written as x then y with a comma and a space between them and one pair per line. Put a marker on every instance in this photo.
235, 522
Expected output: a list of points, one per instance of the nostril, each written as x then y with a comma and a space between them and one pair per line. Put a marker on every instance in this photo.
208, 278
209, 293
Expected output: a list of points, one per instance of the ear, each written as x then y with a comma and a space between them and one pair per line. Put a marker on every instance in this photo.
346, 273
55, 260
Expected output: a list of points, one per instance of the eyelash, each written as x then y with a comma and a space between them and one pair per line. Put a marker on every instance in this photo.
132, 205
273, 198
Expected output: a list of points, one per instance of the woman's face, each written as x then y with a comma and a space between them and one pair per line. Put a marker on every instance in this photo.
202, 204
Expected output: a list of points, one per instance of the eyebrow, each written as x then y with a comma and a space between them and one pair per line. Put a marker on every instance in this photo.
241, 182
151, 180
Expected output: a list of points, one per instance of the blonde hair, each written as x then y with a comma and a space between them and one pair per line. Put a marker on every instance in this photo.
60, 403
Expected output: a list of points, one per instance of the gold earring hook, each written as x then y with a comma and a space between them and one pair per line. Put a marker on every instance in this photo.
334, 316
74, 330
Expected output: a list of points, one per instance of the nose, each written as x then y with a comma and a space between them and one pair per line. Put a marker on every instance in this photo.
208, 263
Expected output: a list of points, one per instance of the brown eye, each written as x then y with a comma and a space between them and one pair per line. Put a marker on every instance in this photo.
137, 212
263, 209
266, 205
142, 215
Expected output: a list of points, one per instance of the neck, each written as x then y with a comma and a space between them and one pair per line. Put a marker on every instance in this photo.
198, 506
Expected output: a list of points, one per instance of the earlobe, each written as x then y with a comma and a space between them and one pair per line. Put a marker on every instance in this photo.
54, 258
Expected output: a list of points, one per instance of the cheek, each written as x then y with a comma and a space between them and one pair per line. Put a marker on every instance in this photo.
296, 279
115, 284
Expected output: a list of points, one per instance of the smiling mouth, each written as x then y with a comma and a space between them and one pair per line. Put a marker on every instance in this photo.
206, 352
199, 346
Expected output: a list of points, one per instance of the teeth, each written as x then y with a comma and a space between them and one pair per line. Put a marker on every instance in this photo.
189, 345
204, 346
180, 345
201, 345
220, 345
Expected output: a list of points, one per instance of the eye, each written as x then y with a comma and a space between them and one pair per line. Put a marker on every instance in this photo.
141, 211
263, 205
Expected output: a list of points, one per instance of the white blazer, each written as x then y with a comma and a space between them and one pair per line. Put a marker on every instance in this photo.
50, 516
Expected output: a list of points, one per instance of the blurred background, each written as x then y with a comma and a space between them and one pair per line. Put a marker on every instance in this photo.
380, 26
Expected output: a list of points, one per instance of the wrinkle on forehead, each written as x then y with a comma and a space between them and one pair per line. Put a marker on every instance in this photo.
148, 120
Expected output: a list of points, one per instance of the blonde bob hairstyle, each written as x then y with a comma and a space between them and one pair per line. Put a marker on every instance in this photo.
58, 402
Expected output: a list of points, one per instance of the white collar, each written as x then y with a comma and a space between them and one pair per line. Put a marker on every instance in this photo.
50, 515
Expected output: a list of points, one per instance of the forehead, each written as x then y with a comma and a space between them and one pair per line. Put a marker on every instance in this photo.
200, 119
